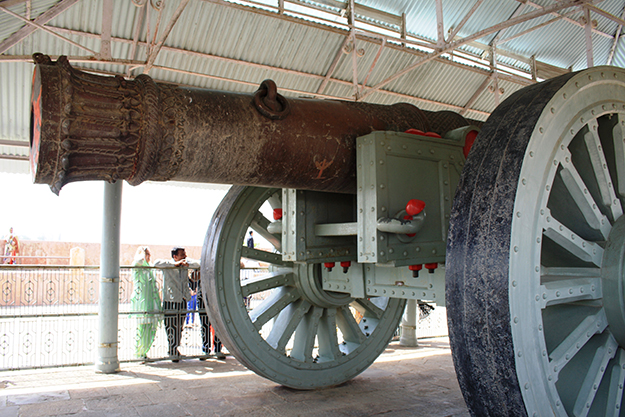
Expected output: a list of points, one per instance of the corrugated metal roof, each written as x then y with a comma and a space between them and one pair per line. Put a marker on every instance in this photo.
234, 48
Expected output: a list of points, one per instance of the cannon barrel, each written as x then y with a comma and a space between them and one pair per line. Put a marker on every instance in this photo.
92, 127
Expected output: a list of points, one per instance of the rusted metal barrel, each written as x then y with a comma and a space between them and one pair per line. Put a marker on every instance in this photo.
90, 127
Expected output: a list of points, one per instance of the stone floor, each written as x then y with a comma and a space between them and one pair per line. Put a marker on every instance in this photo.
402, 382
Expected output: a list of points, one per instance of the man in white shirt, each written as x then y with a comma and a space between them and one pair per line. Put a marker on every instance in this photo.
175, 293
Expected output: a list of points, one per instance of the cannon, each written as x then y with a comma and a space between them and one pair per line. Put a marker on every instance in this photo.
521, 233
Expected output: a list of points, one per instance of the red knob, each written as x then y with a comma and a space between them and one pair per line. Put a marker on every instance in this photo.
329, 265
415, 270
432, 135
277, 214
414, 207
415, 132
431, 267
346, 265
468, 142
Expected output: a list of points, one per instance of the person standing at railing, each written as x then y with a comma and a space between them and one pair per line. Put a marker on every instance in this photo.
175, 294
205, 326
11, 248
145, 301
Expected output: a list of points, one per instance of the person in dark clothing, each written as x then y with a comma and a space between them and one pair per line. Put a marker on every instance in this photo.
207, 346
176, 292
250, 240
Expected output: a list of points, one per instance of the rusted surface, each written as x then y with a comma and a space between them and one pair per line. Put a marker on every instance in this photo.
88, 127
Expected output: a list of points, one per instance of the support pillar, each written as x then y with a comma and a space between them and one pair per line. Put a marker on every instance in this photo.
409, 325
107, 361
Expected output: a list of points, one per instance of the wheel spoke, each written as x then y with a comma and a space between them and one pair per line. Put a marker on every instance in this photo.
594, 375
559, 273
272, 306
600, 168
262, 256
305, 335
349, 327
572, 242
584, 201
328, 340
286, 323
569, 347
259, 225
366, 306
619, 153
617, 380
282, 277
570, 290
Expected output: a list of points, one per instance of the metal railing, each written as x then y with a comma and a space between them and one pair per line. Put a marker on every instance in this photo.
49, 317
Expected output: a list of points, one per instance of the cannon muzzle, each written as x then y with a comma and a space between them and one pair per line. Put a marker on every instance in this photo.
91, 127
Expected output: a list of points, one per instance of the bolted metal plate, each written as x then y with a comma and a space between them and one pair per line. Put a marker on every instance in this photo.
393, 168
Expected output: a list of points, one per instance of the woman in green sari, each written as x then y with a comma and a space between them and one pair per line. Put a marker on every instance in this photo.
146, 301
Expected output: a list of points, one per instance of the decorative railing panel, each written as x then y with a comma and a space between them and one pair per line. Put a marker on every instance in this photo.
49, 317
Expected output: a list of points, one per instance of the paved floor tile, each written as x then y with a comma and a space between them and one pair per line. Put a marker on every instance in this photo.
402, 382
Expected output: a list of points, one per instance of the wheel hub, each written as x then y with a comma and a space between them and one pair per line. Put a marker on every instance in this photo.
309, 283
613, 280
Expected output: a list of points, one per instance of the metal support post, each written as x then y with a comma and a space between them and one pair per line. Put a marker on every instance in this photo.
107, 361
409, 325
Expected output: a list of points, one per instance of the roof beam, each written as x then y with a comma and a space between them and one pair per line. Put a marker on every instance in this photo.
504, 76
440, 27
475, 95
157, 49
572, 21
617, 36
603, 13
374, 63
464, 20
516, 12
15, 38
590, 62
16, 143
135, 40
480, 34
335, 62
107, 26
533, 28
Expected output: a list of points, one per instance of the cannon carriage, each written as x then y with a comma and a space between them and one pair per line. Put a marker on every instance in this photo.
521, 235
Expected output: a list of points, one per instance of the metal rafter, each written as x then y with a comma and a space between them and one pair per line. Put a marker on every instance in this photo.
107, 26
493, 64
440, 28
154, 53
135, 40
480, 34
572, 21
504, 76
464, 20
352, 27
590, 62
610, 16
616, 39
375, 61
18, 36
45, 29
335, 62
475, 95
516, 12
533, 28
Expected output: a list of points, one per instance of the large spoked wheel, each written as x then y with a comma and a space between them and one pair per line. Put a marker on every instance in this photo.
535, 258
282, 324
